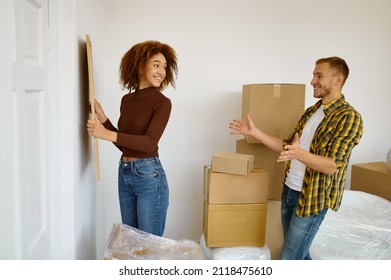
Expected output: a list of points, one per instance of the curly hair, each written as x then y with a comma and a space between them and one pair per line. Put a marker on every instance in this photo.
337, 64
135, 59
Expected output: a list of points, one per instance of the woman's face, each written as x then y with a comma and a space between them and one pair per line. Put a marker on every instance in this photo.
154, 72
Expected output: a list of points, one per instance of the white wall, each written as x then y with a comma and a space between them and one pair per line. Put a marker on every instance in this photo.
222, 45
89, 20
75, 191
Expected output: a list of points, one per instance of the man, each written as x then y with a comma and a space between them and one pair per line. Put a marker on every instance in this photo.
317, 155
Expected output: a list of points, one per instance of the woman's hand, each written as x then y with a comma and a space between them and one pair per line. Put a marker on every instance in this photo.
96, 129
100, 114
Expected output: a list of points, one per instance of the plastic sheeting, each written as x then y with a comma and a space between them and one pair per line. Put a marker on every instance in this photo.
359, 230
235, 253
128, 243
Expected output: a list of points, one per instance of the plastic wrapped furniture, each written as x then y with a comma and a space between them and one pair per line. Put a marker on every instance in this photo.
235, 253
359, 230
128, 243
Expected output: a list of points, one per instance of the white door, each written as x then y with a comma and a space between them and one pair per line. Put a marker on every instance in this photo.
26, 194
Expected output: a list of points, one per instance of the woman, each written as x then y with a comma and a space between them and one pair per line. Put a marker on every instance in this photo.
145, 70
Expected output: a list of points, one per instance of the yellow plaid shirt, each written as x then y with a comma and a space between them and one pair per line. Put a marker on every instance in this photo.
337, 135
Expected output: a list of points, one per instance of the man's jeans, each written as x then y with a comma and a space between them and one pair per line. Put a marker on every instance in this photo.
143, 194
298, 232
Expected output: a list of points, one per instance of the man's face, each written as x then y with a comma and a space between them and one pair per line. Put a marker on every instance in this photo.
324, 80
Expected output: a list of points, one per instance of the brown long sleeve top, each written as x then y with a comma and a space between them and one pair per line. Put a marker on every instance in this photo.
144, 115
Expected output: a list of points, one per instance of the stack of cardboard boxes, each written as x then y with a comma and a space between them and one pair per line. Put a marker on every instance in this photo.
235, 201
275, 109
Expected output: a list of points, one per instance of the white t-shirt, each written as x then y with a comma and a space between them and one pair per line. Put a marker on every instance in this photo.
295, 176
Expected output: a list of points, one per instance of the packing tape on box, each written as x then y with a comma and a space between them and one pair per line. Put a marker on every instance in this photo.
277, 91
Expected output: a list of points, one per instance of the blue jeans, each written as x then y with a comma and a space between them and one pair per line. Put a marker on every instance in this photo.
143, 194
298, 232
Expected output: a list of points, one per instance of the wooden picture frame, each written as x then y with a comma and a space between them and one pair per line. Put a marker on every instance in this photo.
91, 95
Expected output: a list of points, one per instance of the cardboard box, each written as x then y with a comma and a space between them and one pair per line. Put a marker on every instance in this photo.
267, 159
232, 163
222, 188
233, 225
274, 234
372, 177
274, 108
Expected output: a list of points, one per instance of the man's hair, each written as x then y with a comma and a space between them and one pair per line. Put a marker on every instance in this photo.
135, 59
337, 64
